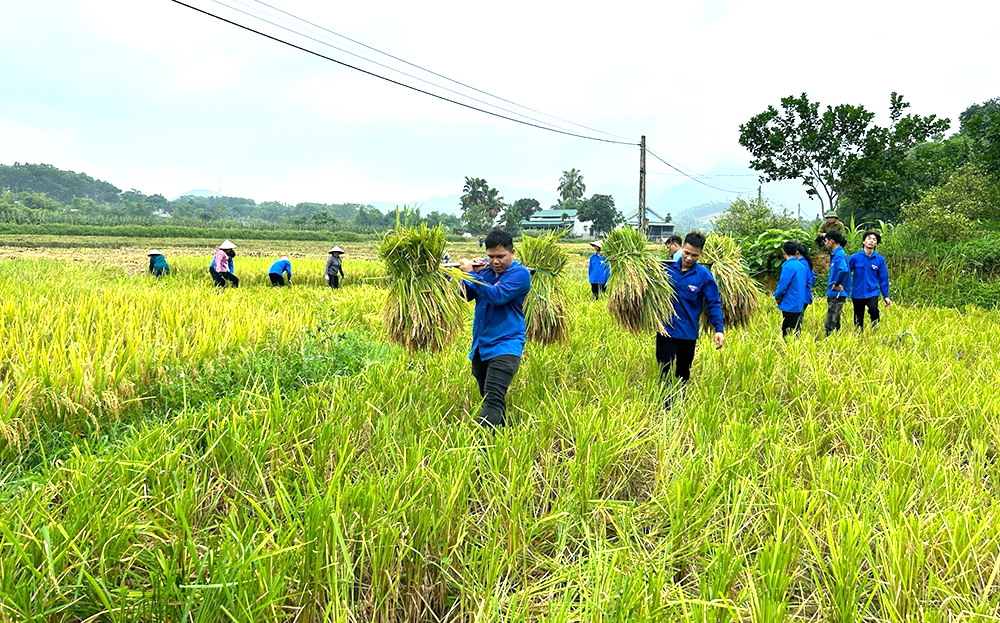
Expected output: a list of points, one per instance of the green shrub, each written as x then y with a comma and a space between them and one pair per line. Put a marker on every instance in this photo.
763, 255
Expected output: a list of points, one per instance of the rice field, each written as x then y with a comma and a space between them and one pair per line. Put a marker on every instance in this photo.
169, 452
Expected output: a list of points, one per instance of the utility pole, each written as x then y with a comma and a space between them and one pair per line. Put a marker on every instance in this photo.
641, 220
798, 215
759, 198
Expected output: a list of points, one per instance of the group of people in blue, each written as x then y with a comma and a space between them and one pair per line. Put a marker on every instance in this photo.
863, 277
222, 268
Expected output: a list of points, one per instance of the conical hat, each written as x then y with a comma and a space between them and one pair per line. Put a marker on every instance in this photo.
336, 250
228, 244
596, 243
154, 252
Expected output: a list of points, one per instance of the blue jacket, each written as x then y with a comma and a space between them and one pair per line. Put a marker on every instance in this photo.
791, 291
598, 269
869, 275
810, 280
694, 289
677, 255
498, 324
281, 266
839, 274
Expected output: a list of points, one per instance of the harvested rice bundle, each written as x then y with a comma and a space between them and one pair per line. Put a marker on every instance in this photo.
640, 296
739, 293
422, 310
545, 304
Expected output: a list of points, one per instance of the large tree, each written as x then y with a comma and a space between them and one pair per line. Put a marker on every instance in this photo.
981, 124
602, 211
571, 185
799, 142
518, 211
473, 192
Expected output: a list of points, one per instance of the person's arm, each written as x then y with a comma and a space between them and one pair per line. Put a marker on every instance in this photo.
151, 261
515, 285
784, 281
883, 282
166, 269
714, 304
288, 269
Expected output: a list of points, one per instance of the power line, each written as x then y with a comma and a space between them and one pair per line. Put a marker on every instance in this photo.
434, 73
396, 82
700, 181
296, 32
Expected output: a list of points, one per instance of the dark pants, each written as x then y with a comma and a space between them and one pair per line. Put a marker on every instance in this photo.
834, 306
334, 281
597, 289
276, 279
221, 279
859, 312
791, 321
669, 350
494, 377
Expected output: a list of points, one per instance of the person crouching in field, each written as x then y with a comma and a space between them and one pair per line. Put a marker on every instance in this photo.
335, 267
222, 267
839, 283
278, 271
598, 271
695, 288
498, 328
157, 264
791, 291
869, 278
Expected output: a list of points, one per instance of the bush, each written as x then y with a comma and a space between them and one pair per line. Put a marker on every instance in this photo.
763, 256
981, 254
746, 219
952, 211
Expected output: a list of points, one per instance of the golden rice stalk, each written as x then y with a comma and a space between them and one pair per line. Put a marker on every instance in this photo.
640, 295
739, 293
422, 310
545, 304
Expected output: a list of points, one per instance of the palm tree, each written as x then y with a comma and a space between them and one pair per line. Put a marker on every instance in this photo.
493, 202
474, 191
571, 185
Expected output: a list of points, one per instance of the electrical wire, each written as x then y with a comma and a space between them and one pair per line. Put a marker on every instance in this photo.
396, 82
434, 73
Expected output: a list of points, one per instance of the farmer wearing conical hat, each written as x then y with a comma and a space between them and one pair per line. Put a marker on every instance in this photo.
157, 264
498, 326
598, 271
335, 267
222, 267
832, 224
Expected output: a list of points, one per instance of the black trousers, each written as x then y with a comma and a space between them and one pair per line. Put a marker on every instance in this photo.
859, 312
791, 321
276, 279
670, 350
597, 289
834, 305
334, 281
494, 377
221, 279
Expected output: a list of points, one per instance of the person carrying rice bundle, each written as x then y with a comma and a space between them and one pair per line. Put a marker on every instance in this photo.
696, 289
499, 287
545, 305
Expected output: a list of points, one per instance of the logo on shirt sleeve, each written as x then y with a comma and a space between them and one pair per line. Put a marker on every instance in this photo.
693, 288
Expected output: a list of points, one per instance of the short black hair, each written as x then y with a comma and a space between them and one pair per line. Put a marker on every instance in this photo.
674, 239
499, 238
790, 247
695, 239
872, 232
837, 237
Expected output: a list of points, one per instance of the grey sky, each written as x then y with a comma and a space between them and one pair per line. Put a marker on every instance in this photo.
148, 94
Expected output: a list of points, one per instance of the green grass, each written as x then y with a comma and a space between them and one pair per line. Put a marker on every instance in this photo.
851, 479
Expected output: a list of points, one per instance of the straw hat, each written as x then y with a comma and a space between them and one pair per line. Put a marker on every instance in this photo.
227, 245
154, 252
336, 250
596, 243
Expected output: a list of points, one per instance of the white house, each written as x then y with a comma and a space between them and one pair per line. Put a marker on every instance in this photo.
560, 220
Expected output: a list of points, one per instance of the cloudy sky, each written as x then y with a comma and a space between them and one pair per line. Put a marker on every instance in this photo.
152, 95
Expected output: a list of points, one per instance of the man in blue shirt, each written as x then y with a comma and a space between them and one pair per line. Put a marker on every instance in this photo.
278, 270
791, 291
839, 283
674, 245
598, 271
695, 288
869, 278
498, 329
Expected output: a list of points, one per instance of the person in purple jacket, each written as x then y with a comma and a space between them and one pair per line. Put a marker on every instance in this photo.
498, 327
869, 278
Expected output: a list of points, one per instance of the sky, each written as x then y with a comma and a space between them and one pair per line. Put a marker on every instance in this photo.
149, 94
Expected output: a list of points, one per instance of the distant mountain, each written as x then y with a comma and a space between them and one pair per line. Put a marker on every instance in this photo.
198, 193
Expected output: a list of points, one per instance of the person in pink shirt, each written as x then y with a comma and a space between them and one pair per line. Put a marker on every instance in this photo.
221, 268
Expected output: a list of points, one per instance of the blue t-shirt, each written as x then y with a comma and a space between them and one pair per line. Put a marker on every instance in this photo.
281, 266
694, 289
869, 275
498, 326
